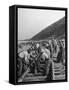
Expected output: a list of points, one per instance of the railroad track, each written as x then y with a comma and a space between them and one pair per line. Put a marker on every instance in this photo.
58, 71
58, 74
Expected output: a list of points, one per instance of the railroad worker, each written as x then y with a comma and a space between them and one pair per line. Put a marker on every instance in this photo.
63, 53
48, 61
44, 61
60, 53
54, 49
54, 44
32, 60
63, 42
25, 55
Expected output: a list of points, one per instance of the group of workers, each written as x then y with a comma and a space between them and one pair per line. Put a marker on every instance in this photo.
39, 57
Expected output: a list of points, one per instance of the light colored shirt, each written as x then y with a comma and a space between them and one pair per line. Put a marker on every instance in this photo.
25, 55
46, 53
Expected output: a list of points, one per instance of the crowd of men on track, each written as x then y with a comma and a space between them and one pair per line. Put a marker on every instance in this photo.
39, 57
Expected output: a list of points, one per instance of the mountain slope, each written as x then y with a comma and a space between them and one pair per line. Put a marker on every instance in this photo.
56, 29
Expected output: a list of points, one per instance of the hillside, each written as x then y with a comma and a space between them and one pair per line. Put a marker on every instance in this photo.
56, 29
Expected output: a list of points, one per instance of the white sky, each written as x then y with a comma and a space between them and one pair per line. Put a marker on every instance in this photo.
32, 21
